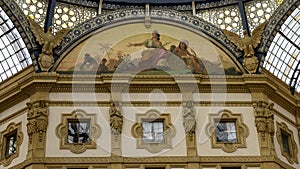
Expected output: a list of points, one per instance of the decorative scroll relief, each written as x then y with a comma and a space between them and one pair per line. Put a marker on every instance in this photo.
264, 122
235, 125
72, 123
142, 131
37, 117
116, 117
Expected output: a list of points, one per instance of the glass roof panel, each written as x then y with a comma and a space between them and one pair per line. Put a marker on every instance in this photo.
68, 15
227, 17
14, 55
283, 55
259, 11
36, 9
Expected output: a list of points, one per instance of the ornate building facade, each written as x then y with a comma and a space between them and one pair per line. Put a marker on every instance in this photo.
149, 85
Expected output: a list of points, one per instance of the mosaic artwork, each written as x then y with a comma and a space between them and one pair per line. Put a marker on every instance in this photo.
133, 48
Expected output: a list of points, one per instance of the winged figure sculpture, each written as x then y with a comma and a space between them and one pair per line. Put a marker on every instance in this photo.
247, 43
49, 42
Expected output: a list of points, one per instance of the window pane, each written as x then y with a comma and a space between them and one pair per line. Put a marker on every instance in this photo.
226, 132
78, 131
153, 132
285, 142
11, 144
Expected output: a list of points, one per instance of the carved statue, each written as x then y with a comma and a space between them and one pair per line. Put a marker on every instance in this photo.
49, 42
116, 117
189, 121
248, 44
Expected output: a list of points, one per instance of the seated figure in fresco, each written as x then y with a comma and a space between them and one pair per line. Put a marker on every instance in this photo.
189, 58
154, 52
89, 63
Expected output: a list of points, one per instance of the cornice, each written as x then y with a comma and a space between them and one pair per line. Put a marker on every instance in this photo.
63, 103
27, 82
203, 160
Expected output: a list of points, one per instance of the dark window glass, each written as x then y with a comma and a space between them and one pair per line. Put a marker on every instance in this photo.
11, 141
226, 131
78, 131
285, 142
153, 131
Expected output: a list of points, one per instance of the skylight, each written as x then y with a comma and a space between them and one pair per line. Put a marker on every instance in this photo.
14, 55
283, 55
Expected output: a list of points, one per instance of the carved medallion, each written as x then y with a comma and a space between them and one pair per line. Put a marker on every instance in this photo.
45, 61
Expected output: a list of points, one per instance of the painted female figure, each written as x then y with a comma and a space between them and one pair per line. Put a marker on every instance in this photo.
189, 58
154, 52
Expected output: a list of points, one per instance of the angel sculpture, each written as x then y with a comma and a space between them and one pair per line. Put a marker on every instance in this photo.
248, 44
49, 42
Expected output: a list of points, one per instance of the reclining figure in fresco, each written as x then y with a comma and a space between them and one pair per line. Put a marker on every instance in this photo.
156, 56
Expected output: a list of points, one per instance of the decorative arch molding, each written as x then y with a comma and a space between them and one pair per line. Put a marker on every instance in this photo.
166, 16
275, 23
21, 23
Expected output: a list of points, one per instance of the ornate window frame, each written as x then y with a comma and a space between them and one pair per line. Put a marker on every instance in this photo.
11, 128
169, 131
242, 131
293, 156
62, 131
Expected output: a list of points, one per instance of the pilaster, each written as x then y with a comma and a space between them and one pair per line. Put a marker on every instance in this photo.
264, 122
37, 116
116, 125
189, 124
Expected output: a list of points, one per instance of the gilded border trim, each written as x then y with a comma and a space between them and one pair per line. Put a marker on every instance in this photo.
293, 156
241, 129
169, 131
62, 130
10, 128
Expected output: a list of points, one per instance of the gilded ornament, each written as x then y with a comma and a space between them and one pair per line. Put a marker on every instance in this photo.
248, 45
49, 42
116, 117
